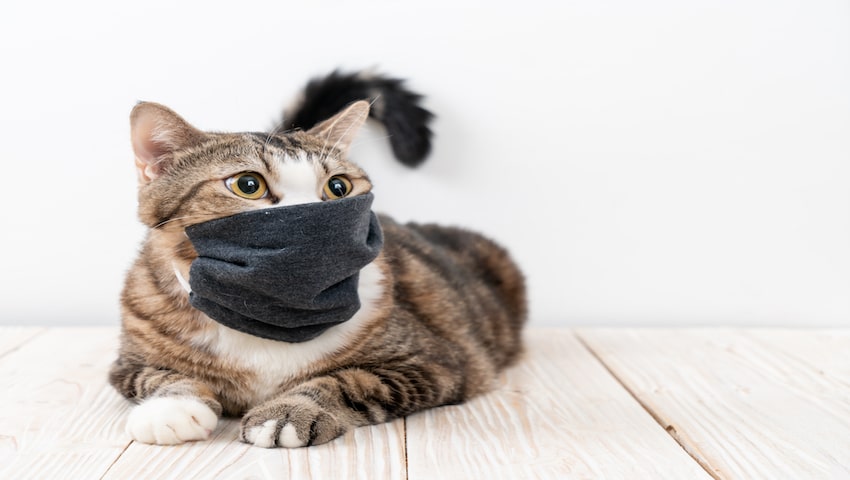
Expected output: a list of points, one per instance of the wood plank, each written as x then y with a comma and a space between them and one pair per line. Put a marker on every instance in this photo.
375, 452
558, 414
60, 419
12, 338
826, 349
58, 416
745, 403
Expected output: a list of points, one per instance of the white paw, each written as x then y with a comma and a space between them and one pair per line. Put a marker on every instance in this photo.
169, 421
289, 437
264, 436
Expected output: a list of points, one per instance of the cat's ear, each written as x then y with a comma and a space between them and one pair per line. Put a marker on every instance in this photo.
340, 130
157, 132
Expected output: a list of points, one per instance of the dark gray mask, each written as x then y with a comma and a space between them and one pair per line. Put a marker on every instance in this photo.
285, 273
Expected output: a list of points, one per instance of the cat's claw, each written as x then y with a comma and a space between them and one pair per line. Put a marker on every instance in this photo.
171, 421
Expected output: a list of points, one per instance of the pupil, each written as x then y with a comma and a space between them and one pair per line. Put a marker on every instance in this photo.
338, 187
248, 184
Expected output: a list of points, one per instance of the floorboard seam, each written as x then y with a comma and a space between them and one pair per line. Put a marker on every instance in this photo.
404, 450
669, 429
118, 457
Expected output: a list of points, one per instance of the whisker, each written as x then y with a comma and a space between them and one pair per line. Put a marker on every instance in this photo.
324, 146
179, 218
274, 131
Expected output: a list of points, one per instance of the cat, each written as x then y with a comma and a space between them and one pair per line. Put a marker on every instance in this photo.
441, 308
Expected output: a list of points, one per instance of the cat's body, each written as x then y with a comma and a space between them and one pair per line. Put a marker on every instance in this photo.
441, 308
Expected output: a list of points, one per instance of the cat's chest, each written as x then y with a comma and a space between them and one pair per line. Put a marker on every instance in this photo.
270, 363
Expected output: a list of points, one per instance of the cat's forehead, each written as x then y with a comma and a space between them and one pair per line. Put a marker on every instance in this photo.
291, 144
226, 153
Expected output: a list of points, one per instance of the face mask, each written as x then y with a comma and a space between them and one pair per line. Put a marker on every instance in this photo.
285, 273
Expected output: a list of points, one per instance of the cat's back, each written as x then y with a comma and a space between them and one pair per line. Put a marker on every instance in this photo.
458, 282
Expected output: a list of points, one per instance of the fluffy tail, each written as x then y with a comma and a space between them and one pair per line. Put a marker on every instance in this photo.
392, 104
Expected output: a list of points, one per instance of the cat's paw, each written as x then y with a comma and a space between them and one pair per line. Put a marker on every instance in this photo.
291, 423
170, 421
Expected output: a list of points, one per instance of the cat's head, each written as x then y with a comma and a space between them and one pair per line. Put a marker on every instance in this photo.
187, 176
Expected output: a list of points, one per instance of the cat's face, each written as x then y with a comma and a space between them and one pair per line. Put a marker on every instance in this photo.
187, 176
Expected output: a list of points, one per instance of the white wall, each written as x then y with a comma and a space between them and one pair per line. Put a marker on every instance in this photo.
655, 162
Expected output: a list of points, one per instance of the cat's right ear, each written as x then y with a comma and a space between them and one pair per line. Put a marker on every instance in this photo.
157, 132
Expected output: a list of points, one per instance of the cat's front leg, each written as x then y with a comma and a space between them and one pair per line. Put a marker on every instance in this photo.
173, 408
323, 408
320, 410
312, 413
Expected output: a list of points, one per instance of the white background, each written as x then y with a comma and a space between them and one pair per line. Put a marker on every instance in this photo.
648, 163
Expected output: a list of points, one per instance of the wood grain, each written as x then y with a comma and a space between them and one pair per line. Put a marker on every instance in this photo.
746, 403
558, 414
367, 453
12, 338
58, 417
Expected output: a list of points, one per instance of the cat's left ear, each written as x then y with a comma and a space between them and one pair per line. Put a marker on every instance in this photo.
340, 130
157, 132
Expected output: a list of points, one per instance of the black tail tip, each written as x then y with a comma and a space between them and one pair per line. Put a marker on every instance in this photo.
393, 105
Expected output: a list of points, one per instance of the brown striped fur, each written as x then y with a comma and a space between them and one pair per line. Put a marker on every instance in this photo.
447, 320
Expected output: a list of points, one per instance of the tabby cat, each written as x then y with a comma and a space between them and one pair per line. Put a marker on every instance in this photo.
441, 309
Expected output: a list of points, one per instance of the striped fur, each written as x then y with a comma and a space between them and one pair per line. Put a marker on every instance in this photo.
442, 307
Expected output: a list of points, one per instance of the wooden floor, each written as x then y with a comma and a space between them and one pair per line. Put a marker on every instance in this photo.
590, 403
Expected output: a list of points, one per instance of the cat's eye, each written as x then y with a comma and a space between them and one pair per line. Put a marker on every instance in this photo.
337, 187
248, 185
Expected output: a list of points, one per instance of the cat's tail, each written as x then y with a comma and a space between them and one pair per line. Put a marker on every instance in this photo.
393, 105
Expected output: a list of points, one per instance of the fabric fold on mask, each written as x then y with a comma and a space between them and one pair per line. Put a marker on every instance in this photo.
284, 273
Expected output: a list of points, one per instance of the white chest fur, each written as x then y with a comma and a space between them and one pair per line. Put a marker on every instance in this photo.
273, 362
